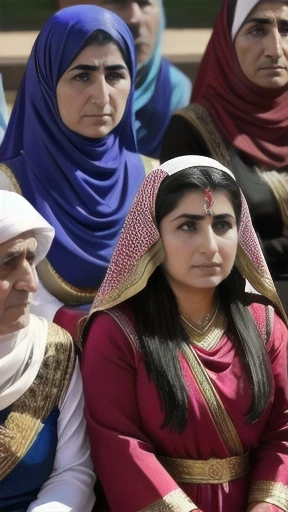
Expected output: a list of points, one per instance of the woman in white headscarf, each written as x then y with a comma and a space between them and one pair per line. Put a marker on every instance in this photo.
239, 116
192, 412
45, 463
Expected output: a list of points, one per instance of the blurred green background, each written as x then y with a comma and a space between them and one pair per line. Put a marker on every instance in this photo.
31, 14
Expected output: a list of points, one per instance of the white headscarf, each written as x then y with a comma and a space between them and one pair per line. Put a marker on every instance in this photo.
243, 7
18, 216
22, 352
186, 161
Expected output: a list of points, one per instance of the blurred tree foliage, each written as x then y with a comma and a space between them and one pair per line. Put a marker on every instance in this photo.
31, 14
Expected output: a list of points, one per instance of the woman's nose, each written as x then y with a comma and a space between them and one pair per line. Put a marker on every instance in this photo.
208, 242
274, 45
26, 278
100, 94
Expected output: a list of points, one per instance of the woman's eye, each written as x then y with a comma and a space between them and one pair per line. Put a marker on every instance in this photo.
114, 77
284, 30
31, 259
82, 77
188, 226
257, 31
222, 225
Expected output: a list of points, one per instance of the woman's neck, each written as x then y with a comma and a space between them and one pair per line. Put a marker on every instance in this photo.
194, 304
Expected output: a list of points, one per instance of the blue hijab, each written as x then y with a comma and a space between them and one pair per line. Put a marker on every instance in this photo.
164, 89
3, 111
83, 187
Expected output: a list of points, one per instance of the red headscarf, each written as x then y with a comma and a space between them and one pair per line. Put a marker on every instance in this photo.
253, 119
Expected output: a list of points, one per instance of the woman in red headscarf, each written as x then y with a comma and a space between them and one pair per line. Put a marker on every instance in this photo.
185, 374
239, 116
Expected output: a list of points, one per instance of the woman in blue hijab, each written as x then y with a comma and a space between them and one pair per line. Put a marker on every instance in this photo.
70, 146
161, 88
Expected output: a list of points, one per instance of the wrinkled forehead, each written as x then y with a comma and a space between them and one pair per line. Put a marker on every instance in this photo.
23, 242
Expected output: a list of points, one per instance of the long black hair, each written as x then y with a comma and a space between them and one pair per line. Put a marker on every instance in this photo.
157, 318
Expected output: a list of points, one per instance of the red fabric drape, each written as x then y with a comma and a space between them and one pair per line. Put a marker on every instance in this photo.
253, 119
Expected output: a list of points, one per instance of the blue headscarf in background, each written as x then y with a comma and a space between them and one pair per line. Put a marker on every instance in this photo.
164, 89
83, 187
3, 111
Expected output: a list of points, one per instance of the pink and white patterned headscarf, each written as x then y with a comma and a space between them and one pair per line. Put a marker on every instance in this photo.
139, 250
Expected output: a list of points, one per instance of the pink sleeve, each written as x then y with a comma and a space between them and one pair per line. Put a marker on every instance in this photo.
270, 461
123, 457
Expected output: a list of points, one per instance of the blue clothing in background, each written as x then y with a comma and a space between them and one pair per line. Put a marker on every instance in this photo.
164, 89
33, 470
3, 111
83, 187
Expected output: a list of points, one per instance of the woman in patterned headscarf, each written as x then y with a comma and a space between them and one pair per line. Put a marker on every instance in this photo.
239, 116
192, 368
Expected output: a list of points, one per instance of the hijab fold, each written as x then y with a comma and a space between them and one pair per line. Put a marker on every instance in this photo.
83, 187
252, 119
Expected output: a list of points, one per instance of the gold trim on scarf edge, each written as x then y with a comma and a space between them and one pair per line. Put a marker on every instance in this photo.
275, 493
10, 175
136, 281
176, 501
262, 285
218, 413
55, 284
61, 289
25, 420
279, 186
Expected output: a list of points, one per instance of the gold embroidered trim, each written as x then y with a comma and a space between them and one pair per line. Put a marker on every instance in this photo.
211, 471
136, 281
275, 493
25, 420
175, 501
263, 285
209, 338
200, 119
278, 183
64, 291
9, 173
220, 417
149, 163
125, 325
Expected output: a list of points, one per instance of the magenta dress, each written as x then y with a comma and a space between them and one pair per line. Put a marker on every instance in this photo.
124, 418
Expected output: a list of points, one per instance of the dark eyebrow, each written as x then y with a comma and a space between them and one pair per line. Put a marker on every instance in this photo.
89, 67
190, 216
263, 21
266, 21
